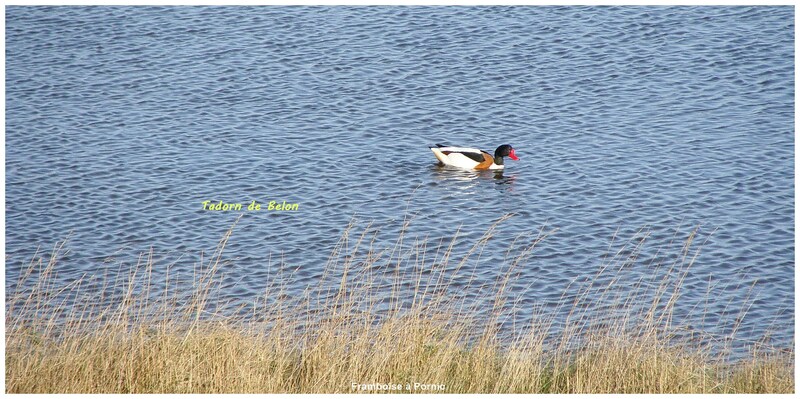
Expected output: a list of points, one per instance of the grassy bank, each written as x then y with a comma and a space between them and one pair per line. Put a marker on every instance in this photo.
348, 337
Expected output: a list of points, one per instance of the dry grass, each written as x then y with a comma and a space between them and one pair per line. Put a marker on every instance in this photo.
73, 339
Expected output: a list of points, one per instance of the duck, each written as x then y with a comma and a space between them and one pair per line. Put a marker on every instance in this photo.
473, 158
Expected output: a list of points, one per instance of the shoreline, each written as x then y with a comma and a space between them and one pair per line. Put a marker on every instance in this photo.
345, 339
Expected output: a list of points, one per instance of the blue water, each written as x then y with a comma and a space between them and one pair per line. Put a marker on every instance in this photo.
629, 121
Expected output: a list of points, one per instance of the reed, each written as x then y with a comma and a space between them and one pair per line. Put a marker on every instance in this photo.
345, 334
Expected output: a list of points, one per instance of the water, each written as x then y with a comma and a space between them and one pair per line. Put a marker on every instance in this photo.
121, 121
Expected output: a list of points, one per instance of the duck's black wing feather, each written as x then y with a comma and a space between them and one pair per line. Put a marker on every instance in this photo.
477, 157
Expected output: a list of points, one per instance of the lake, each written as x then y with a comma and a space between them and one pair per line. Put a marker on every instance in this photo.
631, 123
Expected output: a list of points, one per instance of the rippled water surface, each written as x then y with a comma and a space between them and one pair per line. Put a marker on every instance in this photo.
629, 122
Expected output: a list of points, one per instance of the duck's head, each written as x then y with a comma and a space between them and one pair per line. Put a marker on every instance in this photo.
505, 150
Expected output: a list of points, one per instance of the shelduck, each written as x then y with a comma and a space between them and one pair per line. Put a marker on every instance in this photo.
473, 158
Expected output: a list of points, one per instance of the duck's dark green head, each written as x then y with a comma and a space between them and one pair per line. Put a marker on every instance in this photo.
504, 150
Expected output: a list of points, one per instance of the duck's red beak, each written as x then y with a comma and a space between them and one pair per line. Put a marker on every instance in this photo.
513, 156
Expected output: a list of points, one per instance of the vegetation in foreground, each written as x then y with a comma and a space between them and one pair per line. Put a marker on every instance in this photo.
350, 339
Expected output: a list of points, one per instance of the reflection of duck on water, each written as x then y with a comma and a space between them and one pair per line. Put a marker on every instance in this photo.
473, 158
503, 179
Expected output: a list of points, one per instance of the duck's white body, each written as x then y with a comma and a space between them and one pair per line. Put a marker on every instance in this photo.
469, 158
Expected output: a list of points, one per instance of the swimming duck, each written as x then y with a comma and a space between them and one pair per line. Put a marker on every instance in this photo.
473, 158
